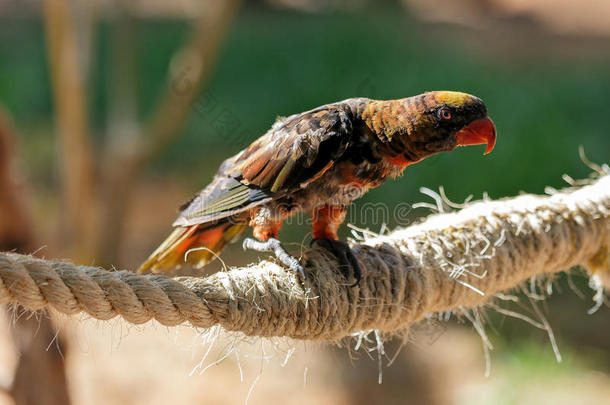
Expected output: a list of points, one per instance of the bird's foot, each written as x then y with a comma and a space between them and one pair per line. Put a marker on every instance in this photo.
344, 254
275, 246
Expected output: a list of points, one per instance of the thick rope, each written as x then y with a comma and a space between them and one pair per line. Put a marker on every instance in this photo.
448, 261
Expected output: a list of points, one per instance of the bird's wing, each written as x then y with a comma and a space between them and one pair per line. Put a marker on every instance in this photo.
293, 152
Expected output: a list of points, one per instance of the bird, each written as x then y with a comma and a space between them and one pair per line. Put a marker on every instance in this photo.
318, 162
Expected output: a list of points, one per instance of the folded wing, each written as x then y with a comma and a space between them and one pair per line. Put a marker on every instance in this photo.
293, 152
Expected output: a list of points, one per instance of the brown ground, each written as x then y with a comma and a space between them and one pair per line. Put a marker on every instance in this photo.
116, 363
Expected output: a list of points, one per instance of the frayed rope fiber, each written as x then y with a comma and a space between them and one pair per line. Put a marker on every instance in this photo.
449, 261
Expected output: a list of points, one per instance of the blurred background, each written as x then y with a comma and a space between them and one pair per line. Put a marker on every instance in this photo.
114, 112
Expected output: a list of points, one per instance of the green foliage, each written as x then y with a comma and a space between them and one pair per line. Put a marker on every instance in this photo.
279, 63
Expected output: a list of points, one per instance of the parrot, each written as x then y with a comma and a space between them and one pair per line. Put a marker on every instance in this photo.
318, 162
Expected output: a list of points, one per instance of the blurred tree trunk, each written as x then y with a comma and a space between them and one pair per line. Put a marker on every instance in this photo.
123, 133
190, 68
70, 101
130, 148
15, 223
40, 377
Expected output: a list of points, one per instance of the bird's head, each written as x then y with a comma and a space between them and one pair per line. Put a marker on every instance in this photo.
417, 127
443, 120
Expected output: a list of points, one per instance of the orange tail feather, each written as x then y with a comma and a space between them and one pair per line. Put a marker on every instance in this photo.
196, 245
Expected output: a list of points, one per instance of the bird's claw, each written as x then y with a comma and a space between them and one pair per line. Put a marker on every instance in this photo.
275, 246
343, 253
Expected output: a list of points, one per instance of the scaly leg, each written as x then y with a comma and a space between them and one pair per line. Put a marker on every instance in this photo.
275, 246
266, 229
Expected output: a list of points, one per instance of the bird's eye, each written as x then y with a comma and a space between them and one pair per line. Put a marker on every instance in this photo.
445, 113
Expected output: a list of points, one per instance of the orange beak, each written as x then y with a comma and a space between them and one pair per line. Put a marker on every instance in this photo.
478, 132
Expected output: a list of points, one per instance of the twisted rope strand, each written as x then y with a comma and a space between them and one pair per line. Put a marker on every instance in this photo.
450, 260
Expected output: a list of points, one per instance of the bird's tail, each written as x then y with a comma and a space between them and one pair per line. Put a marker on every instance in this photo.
196, 245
